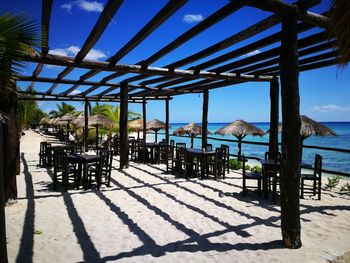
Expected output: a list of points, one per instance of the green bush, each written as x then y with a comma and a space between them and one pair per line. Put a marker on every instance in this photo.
345, 188
332, 182
235, 164
256, 169
247, 167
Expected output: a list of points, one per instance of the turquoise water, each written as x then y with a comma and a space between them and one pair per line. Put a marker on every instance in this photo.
331, 160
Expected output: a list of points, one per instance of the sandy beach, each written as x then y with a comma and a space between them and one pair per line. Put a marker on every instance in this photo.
150, 216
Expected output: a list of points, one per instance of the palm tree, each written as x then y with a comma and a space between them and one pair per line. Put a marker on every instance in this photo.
18, 36
62, 109
339, 27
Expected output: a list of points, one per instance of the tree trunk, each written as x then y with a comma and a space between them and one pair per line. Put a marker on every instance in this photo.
290, 166
8, 102
3, 247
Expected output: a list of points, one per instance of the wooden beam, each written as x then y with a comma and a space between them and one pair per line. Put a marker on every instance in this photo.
124, 145
190, 74
170, 8
205, 119
144, 118
274, 115
167, 120
290, 164
191, 33
284, 8
102, 22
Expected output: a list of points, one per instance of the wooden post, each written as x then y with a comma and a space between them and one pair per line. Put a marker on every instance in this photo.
144, 119
290, 165
86, 125
96, 137
274, 112
167, 131
124, 146
3, 246
167, 120
205, 118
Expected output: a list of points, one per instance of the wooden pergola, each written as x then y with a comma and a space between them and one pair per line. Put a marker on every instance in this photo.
291, 53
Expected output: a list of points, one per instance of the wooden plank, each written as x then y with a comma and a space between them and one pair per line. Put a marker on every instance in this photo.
123, 124
274, 115
205, 118
290, 165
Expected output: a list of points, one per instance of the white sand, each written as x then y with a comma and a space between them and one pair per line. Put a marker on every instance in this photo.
149, 216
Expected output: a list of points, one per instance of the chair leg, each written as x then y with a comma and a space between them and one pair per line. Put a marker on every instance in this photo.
314, 188
244, 187
319, 189
259, 187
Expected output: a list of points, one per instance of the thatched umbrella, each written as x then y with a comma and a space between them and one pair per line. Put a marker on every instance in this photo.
65, 119
155, 125
100, 120
137, 126
192, 129
308, 128
240, 129
79, 120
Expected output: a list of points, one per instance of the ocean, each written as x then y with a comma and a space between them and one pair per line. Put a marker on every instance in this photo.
334, 161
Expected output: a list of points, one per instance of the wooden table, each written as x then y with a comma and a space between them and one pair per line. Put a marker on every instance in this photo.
202, 155
83, 159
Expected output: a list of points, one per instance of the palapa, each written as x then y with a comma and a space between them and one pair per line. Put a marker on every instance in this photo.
192, 129
136, 126
100, 120
240, 129
155, 125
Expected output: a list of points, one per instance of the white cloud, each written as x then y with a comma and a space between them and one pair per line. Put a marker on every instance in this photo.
89, 6
72, 51
330, 107
252, 53
192, 18
68, 7
74, 92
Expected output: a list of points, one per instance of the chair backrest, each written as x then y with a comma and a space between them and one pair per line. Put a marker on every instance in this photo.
180, 145
60, 160
226, 150
43, 147
318, 166
219, 154
273, 155
209, 147
105, 162
172, 143
131, 138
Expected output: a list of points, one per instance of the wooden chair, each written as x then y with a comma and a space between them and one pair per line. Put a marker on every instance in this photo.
216, 164
315, 178
251, 176
226, 158
42, 154
162, 152
209, 147
273, 174
63, 171
102, 171
176, 161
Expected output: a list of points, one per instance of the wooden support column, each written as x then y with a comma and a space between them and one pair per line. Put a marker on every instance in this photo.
274, 112
86, 125
167, 120
205, 118
290, 165
124, 146
144, 131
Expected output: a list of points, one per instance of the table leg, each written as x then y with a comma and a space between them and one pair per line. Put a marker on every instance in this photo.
79, 175
203, 166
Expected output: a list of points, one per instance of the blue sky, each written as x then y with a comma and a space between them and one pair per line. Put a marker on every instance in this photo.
324, 93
